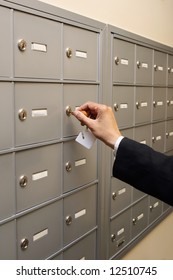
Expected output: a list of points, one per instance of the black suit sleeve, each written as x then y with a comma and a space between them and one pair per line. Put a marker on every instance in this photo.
145, 169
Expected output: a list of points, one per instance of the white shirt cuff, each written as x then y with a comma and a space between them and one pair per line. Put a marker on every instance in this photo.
117, 143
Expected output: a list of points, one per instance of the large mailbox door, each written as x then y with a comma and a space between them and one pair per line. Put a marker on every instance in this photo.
144, 65
74, 96
5, 43
40, 232
80, 165
37, 47
80, 213
37, 112
80, 54
123, 61
38, 175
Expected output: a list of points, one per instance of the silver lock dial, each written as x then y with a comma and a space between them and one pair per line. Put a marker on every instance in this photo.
69, 52
68, 166
68, 110
68, 220
22, 115
23, 181
22, 45
24, 244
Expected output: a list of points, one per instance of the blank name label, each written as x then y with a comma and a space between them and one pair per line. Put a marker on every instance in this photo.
38, 47
39, 113
80, 213
81, 54
39, 175
40, 234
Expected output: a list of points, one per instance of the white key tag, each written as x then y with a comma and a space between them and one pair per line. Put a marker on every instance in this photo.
86, 138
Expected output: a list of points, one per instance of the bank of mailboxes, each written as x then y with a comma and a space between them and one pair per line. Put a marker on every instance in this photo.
140, 69
142, 103
55, 185
132, 222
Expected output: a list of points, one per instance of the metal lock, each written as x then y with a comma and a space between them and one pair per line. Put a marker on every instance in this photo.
153, 139
22, 114
154, 104
155, 67
116, 107
167, 134
68, 166
168, 102
151, 207
24, 244
69, 52
116, 59
138, 63
138, 105
134, 221
68, 220
23, 181
22, 45
113, 237
68, 110
169, 69
114, 195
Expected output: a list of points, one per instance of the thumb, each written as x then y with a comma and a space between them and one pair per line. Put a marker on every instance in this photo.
82, 118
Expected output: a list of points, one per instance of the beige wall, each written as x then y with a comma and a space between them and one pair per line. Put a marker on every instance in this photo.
152, 19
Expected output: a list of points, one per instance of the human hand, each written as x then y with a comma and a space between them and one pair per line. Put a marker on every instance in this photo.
100, 120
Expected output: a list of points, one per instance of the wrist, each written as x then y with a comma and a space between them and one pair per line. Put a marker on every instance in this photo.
113, 140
